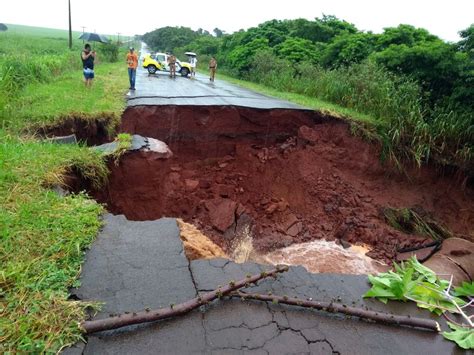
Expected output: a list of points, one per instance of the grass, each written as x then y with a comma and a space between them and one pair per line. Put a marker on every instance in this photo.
124, 141
43, 238
415, 221
48, 33
303, 100
44, 235
41, 104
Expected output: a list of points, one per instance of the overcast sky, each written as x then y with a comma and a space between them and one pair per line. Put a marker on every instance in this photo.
444, 18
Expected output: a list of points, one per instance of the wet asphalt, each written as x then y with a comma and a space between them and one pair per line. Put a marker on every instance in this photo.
160, 89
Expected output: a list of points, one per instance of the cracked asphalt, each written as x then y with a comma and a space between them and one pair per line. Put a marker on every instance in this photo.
135, 265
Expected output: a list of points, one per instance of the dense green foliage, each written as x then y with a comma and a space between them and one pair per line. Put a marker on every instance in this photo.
418, 88
168, 38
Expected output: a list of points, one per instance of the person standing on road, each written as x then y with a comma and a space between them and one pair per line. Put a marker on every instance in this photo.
212, 68
193, 61
172, 65
132, 61
88, 57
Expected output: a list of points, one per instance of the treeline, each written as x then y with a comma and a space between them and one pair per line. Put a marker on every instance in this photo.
418, 88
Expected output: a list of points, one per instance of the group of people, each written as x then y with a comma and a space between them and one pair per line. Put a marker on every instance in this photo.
88, 56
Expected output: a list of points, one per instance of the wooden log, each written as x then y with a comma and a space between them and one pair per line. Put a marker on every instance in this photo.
146, 316
344, 309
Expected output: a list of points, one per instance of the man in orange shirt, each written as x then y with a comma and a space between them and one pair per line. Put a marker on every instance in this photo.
132, 61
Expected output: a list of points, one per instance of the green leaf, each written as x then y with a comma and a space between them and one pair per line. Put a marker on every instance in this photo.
464, 337
377, 291
466, 289
427, 273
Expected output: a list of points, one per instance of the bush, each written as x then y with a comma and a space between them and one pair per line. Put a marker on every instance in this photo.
109, 52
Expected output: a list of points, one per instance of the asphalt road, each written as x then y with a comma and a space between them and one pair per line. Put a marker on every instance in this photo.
160, 89
135, 265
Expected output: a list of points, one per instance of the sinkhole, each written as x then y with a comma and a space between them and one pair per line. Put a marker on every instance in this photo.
263, 183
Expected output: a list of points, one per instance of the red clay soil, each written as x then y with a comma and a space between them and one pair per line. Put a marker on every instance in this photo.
305, 179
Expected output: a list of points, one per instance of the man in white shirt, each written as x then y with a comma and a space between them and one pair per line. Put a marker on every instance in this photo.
193, 62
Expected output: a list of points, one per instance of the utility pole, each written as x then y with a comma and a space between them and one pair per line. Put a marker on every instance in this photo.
70, 27
118, 37
83, 29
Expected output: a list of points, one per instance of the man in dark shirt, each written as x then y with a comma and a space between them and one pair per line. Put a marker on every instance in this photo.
88, 57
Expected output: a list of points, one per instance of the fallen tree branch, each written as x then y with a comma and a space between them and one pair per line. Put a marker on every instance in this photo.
341, 308
123, 320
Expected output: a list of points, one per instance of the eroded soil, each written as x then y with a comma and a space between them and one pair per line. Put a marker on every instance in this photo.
280, 176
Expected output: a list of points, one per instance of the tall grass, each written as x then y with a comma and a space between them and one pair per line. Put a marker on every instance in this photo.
17, 71
364, 87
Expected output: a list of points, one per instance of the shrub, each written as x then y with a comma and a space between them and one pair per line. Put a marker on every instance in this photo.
109, 52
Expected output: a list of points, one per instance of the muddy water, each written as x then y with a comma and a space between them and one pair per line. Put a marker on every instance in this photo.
318, 256
324, 256
298, 181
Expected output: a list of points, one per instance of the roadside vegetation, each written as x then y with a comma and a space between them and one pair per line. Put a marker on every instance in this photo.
44, 234
416, 88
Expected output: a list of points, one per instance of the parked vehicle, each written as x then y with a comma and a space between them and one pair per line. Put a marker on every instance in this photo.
159, 62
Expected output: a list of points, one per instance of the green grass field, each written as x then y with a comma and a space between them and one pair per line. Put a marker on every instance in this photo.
32, 31
44, 235
40, 104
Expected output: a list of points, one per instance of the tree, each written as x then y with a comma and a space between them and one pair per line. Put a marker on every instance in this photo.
323, 29
205, 45
435, 65
168, 38
404, 34
3, 27
241, 56
297, 50
218, 33
274, 31
467, 42
348, 49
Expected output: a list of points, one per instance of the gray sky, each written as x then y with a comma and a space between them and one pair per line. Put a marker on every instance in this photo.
441, 17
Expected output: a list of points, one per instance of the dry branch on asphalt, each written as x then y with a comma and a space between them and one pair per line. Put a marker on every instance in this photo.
344, 309
123, 320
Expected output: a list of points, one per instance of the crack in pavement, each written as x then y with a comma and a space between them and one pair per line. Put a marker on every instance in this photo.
298, 331
196, 291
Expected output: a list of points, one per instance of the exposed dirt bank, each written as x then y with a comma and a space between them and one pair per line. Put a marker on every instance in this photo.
89, 130
281, 176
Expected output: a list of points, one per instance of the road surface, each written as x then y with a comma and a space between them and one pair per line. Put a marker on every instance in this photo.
160, 89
